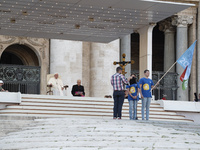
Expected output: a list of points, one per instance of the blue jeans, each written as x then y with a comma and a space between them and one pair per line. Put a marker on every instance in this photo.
118, 103
133, 109
145, 105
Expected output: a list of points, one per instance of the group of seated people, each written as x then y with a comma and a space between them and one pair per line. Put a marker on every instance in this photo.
57, 87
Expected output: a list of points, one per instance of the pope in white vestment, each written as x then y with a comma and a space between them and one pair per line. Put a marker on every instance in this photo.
57, 85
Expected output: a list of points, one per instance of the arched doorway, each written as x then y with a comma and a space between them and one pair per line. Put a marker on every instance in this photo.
20, 70
19, 55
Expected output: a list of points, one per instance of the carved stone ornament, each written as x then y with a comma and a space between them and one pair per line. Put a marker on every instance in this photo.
7, 39
182, 21
1, 47
39, 42
166, 25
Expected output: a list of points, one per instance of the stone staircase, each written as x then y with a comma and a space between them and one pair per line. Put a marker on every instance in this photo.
56, 106
95, 133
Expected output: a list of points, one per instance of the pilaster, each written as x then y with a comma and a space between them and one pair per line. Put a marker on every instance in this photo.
192, 36
102, 57
198, 50
146, 49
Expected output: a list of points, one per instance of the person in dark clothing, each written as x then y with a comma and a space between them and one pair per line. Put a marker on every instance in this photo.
78, 89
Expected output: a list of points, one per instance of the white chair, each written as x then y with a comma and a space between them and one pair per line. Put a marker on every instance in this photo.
49, 90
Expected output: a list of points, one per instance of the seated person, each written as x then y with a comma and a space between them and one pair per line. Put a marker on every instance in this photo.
1, 89
197, 99
78, 89
57, 85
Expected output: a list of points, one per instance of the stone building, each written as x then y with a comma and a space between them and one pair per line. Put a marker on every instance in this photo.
92, 62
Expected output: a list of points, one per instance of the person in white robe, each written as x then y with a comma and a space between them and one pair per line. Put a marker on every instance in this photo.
57, 85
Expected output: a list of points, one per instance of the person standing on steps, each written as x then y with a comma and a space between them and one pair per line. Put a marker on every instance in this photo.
118, 81
133, 97
145, 85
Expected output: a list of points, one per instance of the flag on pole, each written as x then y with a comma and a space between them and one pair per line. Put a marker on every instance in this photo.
186, 62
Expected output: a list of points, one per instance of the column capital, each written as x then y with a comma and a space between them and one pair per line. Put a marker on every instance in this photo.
166, 25
182, 20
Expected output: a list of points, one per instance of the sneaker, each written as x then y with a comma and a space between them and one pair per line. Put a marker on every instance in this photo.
114, 118
119, 118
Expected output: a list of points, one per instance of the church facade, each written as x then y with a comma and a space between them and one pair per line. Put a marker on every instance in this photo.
93, 62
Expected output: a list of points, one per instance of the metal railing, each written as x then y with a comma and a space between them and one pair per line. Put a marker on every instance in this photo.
18, 78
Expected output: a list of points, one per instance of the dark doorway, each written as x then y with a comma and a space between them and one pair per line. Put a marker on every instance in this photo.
135, 42
9, 58
158, 50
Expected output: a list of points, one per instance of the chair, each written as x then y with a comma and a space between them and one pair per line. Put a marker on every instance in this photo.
49, 91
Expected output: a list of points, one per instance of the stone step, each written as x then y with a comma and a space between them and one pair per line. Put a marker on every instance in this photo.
66, 98
80, 103
48, 105
77, 105
81, 108
49, 115
89, 113
75, 132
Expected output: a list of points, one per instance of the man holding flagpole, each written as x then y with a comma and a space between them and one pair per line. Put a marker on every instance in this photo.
145, 91
185, 61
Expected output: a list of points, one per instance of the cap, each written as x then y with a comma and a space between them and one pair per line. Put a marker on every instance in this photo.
1, 81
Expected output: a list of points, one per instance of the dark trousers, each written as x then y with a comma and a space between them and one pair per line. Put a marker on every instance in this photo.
118, 103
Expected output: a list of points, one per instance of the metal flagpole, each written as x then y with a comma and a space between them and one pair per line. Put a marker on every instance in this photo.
164, 75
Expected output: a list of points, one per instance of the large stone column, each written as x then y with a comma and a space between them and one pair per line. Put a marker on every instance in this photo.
182, 23
145, 49
169, 54
192, 31
102, 57
198, 50
125, 48
169, 45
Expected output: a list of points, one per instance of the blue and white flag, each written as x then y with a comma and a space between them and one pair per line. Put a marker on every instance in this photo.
186, 62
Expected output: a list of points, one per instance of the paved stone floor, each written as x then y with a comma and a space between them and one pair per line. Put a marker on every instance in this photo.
86, 133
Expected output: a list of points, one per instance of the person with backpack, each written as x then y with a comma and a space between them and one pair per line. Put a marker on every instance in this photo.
133, 97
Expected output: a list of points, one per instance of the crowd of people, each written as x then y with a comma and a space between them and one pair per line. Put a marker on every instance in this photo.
134, 89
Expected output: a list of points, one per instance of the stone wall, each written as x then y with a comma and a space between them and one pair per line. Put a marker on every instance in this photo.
90, 62
102, 68
66, 60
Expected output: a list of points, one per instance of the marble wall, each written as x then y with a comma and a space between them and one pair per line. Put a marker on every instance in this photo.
102, 68
66, 60
90, 62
